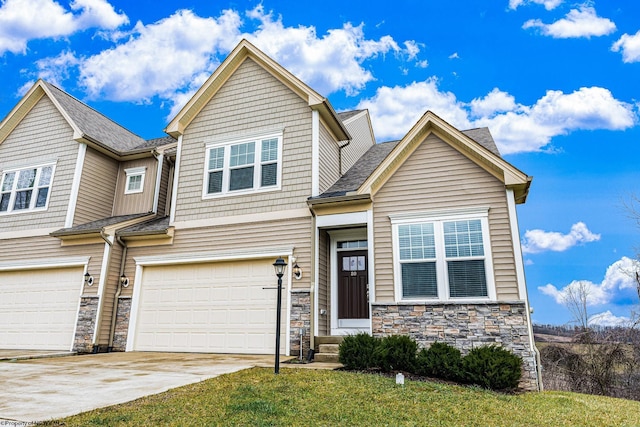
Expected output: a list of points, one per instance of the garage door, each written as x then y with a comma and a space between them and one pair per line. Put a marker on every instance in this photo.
214, 307
38, 308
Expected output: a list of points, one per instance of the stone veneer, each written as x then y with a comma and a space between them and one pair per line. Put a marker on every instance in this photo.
122, 324
300, 318
464, 326
83, 341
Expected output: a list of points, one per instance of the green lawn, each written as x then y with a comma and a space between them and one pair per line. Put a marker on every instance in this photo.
303, 397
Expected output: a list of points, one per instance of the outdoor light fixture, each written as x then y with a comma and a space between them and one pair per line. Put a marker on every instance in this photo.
88, 279
279, 266
297, 271
124, 281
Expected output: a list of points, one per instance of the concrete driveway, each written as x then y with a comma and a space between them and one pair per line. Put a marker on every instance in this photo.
50, 388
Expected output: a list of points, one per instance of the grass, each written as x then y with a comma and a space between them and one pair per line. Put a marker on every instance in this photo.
303, 397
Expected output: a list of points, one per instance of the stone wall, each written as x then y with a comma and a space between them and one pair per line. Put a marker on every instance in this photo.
464, 326
122, 324
83, 340
300, 318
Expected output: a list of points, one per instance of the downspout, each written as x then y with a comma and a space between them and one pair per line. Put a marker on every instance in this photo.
104, 276
114, 313
340, 147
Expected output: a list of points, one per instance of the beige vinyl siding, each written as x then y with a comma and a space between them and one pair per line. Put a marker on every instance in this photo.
362, 139
97, 188
268, 234
324, 287
48, 248
329, 159
163, 195
438, 177
110, 288
250, 101
42, 136
126, 204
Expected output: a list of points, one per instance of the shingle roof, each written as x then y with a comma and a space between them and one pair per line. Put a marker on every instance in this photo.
361, 169
96, 226
483, 137
153, 226
346, 115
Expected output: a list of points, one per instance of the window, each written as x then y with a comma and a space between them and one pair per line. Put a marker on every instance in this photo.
243, 166
24, 190
442, 259
135, 180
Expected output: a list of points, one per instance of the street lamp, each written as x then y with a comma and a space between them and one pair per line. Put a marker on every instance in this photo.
279, 266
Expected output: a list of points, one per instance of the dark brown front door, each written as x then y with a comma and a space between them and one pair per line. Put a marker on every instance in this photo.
353, 301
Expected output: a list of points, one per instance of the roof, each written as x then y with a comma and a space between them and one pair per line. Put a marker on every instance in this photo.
483, 137
96, 226
346, 115
153, 226
361, 169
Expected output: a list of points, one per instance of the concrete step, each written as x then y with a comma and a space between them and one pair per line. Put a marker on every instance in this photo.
327, 340
326, 357
329, 348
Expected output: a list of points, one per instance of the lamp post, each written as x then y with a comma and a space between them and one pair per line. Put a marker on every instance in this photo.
279, 266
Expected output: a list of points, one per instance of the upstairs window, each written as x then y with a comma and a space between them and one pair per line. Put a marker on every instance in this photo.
243, 166
443, 259
135, 180
25, 190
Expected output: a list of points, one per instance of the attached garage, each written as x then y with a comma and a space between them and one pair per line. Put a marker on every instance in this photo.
212, 307
38, 307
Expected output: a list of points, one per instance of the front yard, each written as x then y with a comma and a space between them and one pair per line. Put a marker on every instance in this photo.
305, 397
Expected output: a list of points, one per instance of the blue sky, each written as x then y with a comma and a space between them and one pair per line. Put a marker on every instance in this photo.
556, 81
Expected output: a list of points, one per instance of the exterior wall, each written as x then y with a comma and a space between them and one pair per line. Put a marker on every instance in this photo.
323, 288
464, 326
46, 247
250, 101
329, 159
42, 136
97, 188
83, 341
108, 296
359, 128
137, 202
163, 194
300, 319
438, 177
122, 324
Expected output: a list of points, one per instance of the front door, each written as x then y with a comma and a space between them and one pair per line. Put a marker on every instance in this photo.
353, 278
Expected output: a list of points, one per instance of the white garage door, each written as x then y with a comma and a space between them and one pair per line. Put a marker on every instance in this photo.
38, 308
212, 308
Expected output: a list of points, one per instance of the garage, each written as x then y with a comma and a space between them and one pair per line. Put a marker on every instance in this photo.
216, 307
38, 308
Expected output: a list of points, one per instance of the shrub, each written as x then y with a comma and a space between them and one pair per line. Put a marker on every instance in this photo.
396, 352
440, 360
492, 367
356, 352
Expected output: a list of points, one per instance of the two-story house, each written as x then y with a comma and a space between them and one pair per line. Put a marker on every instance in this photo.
113, 242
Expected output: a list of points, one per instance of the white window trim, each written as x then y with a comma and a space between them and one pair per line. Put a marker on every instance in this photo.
34, 195
257, 165
131, 172
438, 218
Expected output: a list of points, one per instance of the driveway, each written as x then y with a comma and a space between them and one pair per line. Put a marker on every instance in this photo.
51, 388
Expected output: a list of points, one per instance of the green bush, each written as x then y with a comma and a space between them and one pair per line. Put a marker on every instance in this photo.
356, 352
492, 367
396, 353
440, 360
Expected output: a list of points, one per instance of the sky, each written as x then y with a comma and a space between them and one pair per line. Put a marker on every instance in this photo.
557, 82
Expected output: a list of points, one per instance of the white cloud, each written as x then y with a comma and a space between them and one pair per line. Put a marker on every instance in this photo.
619, 276
19, 24
515, 127
548, 4
536, 241
607, 318
583, 22
629, 46
454, 55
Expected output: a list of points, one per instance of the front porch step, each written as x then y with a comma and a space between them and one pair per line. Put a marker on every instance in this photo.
327, 349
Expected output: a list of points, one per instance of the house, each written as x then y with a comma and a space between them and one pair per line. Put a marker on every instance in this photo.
113, 242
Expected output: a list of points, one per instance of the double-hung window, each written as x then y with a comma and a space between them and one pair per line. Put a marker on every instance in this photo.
135, 180
443, 258
26, 189
243, 166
